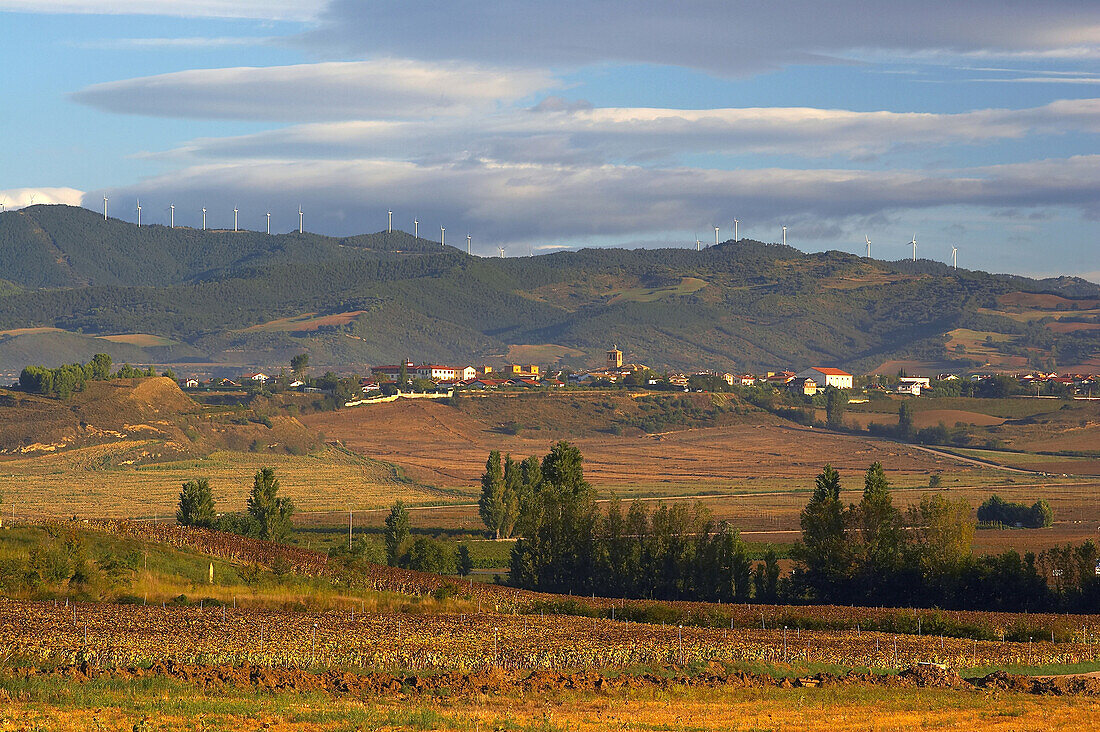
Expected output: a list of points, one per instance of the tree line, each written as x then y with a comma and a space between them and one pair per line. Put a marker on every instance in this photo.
64, 381
865, 553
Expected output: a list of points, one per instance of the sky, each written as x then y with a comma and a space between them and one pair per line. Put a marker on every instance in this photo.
540, 126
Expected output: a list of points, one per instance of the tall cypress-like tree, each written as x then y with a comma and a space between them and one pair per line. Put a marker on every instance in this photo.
396, 534
196, 505
513, 489
271, 511
491, 506
823, 552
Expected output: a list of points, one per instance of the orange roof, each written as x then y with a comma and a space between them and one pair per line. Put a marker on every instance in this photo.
829, 371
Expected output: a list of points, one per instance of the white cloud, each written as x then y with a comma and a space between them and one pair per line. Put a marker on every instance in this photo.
160, 44
377, 89
724, 37
15, 198
294, 10
578, 134
548, 203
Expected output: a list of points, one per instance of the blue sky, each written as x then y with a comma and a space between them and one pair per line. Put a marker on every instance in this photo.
537, 126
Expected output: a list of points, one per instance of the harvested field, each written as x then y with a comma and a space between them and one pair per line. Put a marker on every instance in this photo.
439, 444
304, 323
97, 481
142, 340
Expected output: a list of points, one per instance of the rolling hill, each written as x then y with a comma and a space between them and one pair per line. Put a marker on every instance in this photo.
182, 296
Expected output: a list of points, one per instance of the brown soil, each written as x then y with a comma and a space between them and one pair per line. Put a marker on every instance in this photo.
496, 681
120, 411
447, 446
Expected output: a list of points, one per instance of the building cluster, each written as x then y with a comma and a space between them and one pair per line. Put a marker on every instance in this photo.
450, 377
614, 371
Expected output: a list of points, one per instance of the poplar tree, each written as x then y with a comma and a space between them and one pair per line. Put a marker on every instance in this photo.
491, 506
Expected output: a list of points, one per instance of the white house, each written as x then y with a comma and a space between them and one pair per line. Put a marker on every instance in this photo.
469, 372
257, 376
191, 384
436, 372
825, 376
913, 385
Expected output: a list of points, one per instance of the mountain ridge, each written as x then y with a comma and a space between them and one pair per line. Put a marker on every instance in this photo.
735, 306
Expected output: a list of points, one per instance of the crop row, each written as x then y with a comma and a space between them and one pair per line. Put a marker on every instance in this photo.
113, 635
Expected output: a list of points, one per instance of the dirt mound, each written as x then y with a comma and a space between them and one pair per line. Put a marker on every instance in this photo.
1045, 685
160, 394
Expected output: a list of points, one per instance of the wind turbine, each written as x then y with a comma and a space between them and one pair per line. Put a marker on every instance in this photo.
501, 252
172, 220
389, 223
868, 245
698, 244
715, 236
104, 206
416, 229
234, 218
300, 219
914, 243
269, 222
784, 236
954, 257
442, 236
468, 239
735, 223
139, 212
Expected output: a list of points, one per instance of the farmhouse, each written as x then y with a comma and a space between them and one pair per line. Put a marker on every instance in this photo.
258, 377
825, 376
191, 383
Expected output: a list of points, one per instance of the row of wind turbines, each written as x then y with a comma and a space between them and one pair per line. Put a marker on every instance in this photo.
912, 242
301, 223
469, 239
236, 211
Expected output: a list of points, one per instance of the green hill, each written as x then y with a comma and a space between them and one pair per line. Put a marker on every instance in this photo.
250, 298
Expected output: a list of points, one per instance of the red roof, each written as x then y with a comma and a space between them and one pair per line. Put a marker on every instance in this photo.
829, 371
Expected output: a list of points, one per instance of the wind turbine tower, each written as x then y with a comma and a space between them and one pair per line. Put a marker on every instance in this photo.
269, 222
715, 236
954, 257
868, 245
139, 212
301, 227
735, 223
468, 240
442, 236
416, 229
698, 244
389, 223
172, 219
204, 218
105, 207
784, 236
914, 243
234, 218
501, 252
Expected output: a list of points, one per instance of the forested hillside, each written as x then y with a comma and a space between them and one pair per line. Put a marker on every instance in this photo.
246, 297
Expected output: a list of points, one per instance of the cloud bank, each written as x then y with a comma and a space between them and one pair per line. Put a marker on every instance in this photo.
377, 89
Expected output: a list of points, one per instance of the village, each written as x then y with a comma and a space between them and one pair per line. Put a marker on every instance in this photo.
430, 380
